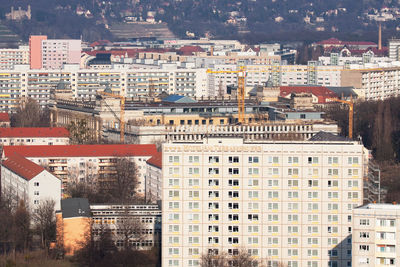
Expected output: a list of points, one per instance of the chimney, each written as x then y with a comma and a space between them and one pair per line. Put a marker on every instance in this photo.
380, 37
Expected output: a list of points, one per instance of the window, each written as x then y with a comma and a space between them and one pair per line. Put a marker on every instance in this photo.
253, 182
173, 182
293, 194
194, 159
293, 160
213, 182
233, 206
253, 194
36, 193
213, 159
173, 159
173, 193
194, 194
36, 184
333, 172
333, 206
213, 171
233, 171
294, 171
253, 206
293, 217
194, 182
352, 183
364, 221
273, 171
233, 229
253, 171
312, 160
234, 159
333, 195
312, 183
194, 170
333, 160
173, 205
272, 159
253, 159
293, 229
352, 172
293, 183
233, 194
233, 182
352, 160
333, 183
364, 234
364, 247
273, 182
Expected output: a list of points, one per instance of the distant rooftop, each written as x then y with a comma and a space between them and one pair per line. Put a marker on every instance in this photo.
34, 132
22, 167
75, 207
325, 136
381, 206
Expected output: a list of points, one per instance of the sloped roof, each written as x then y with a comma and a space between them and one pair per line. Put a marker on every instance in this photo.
321, 92
156, 160
21, 166
81, 150
4, 117
335, 41
325, 136
34, 132
179, 99
75, 207
190, 50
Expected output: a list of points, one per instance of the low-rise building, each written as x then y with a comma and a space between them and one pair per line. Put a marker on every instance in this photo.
86, 163
33, 136
5, 119
375, 235
22, 179
78, 222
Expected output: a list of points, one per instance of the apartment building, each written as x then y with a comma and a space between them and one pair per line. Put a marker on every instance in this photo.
53, 53
22, 179
86, 163
375, 235
13, 56
34, 136
375, 83
394, 45
284, 202
22, 82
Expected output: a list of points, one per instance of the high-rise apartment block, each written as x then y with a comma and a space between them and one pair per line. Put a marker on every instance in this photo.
283, 202
375, 235
53, 53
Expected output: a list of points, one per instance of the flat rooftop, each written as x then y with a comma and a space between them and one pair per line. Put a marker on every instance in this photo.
382, 206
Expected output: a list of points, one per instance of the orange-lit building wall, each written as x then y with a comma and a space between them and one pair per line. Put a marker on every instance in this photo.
72, 233
35, 50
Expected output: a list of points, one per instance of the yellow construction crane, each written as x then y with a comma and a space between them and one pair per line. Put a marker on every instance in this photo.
108, 93
241, 75
351, 112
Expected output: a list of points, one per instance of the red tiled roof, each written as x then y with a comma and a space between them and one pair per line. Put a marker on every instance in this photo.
319, 91
156, 160
81, 150
34, 132
4, 117
21, 166
190, 49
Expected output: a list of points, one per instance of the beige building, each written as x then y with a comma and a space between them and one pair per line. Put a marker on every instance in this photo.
375, 235
284, 202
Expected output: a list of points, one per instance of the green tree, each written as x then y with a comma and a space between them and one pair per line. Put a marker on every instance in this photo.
79, 132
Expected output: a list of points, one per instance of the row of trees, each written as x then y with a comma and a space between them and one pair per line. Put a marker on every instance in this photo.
20, 224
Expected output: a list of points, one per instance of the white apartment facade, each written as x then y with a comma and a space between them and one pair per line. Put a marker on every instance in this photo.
21, 179
22, 82
284, 202
154, 178
9, 57
375, 235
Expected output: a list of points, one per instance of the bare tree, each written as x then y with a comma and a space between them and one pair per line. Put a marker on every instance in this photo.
29, 114
130, 229
21, 228
214, 260
45, 223
79, 132
121, 184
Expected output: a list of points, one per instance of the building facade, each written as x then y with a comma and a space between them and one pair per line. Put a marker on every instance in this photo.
284, 202
375, 239
86, 163
19, 136
21, 179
